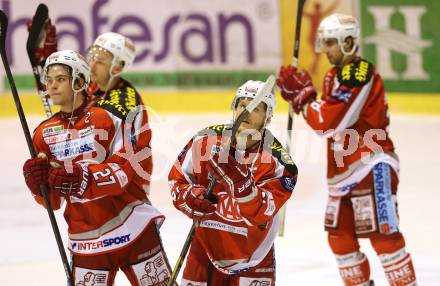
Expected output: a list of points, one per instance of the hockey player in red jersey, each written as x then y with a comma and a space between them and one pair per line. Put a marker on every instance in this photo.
110, 221
362, 167
233, 243
109, 56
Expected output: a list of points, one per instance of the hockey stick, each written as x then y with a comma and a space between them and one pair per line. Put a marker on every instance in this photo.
27, 135
299, 14
35, 39
267, 87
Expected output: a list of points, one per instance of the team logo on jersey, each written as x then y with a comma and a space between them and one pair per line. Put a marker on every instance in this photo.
53, 130
342, 95
288, 183
227, 208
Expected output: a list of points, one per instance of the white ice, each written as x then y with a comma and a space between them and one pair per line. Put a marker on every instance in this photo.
29, 256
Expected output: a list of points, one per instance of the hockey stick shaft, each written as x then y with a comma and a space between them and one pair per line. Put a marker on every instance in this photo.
43, 187
299, 14
268, 85
36, 35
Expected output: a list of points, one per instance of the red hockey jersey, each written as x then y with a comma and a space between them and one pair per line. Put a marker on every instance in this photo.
233, 240
110, 212
353, 115
125, 102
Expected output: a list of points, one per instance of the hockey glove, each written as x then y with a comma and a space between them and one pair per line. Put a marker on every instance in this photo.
49, 46
296, 87
68, 182
35, 172
235, 177
192, 202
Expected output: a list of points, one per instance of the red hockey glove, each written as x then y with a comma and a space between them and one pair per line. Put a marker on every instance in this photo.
49, 46
35, 172
233, 176
71, 183
305, 96
192, 202
296, 87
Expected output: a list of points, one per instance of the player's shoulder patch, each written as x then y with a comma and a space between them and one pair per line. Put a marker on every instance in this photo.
357, 73
277, 150
215, 130
113, 107
130, 96
121, 100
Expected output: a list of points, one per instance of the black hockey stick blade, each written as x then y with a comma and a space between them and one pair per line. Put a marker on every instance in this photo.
267, 88
36, 34
43, 187
35, 39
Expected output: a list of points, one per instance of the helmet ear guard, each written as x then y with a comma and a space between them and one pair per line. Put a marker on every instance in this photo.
339, 27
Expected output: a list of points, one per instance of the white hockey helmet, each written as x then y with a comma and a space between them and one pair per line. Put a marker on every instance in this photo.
339, 27
249, 90
121, 47
75, 61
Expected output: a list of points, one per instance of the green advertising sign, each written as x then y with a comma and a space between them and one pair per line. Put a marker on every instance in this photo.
402, 37
180, 79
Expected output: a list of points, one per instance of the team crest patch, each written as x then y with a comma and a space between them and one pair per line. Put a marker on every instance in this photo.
288, 183
342, 95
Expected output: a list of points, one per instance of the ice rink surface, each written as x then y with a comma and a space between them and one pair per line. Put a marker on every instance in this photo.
29, 256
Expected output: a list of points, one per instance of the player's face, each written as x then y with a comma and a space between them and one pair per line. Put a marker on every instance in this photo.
333, 51
100, 62
59, 86
256, 118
